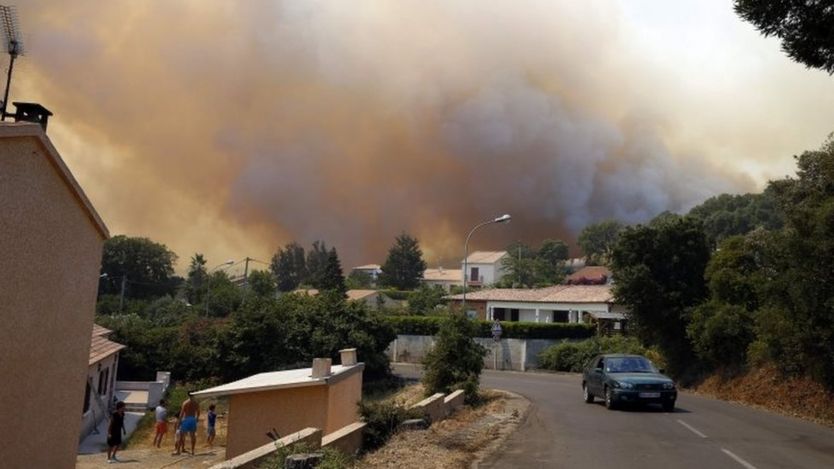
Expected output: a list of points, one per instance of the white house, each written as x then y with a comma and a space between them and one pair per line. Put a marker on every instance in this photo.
101, 379
560, 303
484, 267
441, 277
371, 270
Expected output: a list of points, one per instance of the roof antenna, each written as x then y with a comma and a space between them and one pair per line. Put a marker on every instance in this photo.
14, 47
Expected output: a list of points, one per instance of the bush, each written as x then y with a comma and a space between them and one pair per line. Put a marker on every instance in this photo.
382, 419
456, 360
573, 356
399, 295
430, 325
331, 459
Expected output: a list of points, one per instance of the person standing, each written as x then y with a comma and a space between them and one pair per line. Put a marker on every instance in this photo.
114, 432
211, 431
190, 413
161, 414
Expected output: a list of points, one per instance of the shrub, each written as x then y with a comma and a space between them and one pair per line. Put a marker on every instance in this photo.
430, 325
331, 459
573, 356
399, 295
382, 419
456, 360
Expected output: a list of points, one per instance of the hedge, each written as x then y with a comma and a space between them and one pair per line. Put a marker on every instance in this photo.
399, 295
428, 325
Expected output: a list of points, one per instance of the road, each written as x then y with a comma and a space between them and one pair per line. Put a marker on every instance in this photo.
562, 431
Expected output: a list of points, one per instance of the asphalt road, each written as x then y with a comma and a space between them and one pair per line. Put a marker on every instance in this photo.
562, 431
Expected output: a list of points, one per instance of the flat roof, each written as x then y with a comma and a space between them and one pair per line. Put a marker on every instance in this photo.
443, 275
273, 380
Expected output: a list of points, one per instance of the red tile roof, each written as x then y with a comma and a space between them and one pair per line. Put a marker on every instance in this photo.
554, 294
593, 272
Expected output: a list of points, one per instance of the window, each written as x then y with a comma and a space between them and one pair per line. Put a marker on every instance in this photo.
474, 274
498, 313
560, 316
514, 315
103, 377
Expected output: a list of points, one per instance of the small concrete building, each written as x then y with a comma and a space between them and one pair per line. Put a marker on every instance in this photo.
101, 379
51, 239
444, 278
484, 268
323, 396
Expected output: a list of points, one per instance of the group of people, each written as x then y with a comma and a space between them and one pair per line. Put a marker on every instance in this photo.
186, 423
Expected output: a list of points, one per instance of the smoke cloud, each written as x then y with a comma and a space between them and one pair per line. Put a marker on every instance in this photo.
231, 128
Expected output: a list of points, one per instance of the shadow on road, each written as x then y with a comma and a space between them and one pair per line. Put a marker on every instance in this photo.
646, 408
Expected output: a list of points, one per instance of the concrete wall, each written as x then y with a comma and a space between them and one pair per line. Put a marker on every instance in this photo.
508, 354
343, 398
99, 403
251, 415
310, 437
347, 439
51, 255
433, 408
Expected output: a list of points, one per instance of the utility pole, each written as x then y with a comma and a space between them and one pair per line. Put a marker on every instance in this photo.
122, 295
246, 272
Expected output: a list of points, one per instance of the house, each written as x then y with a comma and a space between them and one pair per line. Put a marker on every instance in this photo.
371, 270
444, 278
484, 267
322, 396
101, 379
560, 303
590, 275
52, 240
372, 298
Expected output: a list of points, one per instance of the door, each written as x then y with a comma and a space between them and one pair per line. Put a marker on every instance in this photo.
595, 376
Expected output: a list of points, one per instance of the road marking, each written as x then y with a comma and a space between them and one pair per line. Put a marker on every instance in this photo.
738, 459
691, 428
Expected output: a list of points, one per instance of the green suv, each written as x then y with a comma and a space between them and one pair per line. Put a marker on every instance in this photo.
627, 379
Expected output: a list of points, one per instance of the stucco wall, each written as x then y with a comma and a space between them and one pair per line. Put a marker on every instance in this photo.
98, 407
343, 396
51, 253
253, 414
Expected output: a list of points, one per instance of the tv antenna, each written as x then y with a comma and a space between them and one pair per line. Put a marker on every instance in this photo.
13, 46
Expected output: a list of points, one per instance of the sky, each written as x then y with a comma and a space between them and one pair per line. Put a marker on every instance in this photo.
231, 128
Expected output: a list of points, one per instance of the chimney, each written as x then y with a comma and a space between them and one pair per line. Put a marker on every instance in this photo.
321, 368
440, 269
32, 112
348, 356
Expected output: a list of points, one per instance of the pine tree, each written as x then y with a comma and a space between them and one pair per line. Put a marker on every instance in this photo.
289, 267
404, 266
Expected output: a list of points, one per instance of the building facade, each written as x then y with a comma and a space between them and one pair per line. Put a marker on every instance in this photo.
101, 380
484, 268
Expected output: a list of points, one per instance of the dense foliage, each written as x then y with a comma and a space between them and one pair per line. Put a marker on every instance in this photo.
404, 266
527, 267
803, 26
598, 240
289, 266
575, 355
425, 299
145, 267
456, 360
727, 215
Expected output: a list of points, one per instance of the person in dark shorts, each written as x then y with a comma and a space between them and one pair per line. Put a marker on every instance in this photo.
115, 431
211, 430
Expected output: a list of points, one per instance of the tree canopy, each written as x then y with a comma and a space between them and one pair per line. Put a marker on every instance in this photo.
527, 267
404, 266
597, 241
196, 281
147, 266
289, 266
728, 215
803, 26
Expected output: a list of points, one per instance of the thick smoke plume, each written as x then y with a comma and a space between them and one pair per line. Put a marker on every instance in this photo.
231, 128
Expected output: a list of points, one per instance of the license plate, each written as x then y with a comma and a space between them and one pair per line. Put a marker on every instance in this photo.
649, 394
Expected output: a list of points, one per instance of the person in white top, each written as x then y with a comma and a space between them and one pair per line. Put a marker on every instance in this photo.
161, 423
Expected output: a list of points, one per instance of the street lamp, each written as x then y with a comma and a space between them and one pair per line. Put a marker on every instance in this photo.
208, 278
502, 219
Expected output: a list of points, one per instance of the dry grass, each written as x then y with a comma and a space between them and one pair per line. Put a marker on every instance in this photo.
768, 389
452, 443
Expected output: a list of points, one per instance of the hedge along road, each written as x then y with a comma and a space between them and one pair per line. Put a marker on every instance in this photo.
562, 431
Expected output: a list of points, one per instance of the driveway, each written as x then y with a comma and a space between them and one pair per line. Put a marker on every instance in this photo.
562, 431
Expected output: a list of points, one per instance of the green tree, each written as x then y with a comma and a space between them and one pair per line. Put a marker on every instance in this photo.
148, 267
404, 265
456, 360
803, 26
425, 299
551, 259
195, 283
329, 276
728, 215
597, 241
224, 296
358, 280
289, 266
660, 277
261, 283
519, 265
317, 260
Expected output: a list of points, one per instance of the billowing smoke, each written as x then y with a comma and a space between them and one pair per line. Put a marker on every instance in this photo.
231, 128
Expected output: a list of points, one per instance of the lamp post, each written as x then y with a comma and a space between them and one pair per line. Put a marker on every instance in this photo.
208, 281
502, 219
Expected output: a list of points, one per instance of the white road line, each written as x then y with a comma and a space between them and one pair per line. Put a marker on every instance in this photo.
738, 459
691, 428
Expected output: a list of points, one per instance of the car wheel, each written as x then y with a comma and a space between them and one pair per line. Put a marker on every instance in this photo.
669, 406
610, 404
589, 398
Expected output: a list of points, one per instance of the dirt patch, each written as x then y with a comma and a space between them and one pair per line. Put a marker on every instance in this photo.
460, 441
767, 389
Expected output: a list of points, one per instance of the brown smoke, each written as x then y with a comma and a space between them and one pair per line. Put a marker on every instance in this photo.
231, 128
